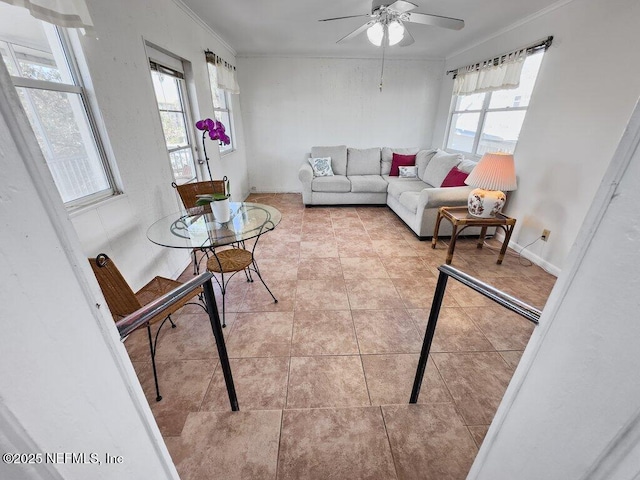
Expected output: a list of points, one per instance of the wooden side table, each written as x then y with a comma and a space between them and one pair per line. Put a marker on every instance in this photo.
460, 217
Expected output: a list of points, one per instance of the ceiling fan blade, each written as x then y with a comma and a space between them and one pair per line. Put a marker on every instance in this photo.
407, 39
401, 6
435, 20
357, 31
340, 18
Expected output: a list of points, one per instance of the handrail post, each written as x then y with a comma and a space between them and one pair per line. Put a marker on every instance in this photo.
214, 318
428, 336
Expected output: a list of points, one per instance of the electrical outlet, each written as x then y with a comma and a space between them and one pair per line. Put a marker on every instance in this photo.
545, 235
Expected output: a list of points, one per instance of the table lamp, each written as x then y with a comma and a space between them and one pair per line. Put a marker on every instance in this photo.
494, 174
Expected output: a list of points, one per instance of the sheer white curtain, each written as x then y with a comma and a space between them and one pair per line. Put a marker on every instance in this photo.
490, 75
65, 13
227, 78
225, 73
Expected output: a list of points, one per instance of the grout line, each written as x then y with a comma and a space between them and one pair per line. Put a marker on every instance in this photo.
279, 442
386, 431
444, 382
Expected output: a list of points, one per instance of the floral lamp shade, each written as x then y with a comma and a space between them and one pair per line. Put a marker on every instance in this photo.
494, 174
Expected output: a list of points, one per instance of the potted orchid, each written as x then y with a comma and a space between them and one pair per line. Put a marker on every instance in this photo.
219, 201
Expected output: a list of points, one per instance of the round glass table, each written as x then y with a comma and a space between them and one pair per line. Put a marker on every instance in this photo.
198, 228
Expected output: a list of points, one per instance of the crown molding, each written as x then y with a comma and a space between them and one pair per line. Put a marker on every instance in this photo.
194, 16
513, 26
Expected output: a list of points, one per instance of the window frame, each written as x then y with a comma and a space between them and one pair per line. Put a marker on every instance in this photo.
482, 111
157, 66
77, 88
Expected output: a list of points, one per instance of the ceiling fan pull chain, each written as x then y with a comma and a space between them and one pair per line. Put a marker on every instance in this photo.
385, 40
382, 71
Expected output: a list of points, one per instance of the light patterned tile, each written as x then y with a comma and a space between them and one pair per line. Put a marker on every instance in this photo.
334, 443
429, 441
326, 381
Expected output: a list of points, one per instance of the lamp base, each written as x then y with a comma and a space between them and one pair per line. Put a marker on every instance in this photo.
485, 203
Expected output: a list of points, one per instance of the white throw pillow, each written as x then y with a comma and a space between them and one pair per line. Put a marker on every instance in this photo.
321, 167
408, 172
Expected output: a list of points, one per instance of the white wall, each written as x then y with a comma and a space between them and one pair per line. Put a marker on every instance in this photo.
66, 382
122, 86
572, 410
292, 104
588, 84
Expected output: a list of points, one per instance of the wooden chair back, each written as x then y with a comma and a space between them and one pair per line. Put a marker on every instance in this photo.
117, 292
189, 191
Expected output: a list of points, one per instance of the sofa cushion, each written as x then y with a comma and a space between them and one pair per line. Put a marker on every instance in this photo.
409, 200
397, 186
363, 161
422, 159
439, 166
401, 160
338, 156
386, 157
368, 183
321, 166
336, 183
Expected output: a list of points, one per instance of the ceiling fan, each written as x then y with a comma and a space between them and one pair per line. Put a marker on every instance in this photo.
386, 26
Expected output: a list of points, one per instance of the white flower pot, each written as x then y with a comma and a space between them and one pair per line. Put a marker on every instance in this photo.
221, 210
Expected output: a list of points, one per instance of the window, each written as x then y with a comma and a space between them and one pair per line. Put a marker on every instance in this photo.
491, 122
221, 107
42, 69
173, 105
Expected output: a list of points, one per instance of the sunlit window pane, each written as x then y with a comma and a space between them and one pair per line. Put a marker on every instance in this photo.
182, 165
37, 52
501, 131
221, 106
463, 131
170, 97
521, 96
224, 117
167, 91
175, 131
61, 127
470, 102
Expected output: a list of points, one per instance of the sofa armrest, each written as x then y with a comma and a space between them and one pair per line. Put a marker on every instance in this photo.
441, 197
305, 174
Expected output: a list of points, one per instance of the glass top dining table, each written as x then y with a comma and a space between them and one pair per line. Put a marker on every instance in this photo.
197, 227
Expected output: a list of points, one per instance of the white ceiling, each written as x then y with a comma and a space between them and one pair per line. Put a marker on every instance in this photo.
291, 27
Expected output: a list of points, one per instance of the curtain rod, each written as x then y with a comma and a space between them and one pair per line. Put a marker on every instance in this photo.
531, 49
218, 59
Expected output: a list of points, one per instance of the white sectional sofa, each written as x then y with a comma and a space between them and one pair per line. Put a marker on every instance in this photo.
361, 177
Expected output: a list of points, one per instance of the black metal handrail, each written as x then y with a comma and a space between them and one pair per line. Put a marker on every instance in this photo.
140, 317
515, 305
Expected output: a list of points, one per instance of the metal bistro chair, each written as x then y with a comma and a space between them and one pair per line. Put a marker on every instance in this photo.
231, 261
122, 301
189, 195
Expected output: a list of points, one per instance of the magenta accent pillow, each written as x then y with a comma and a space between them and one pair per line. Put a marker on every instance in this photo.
455, 178
401, 161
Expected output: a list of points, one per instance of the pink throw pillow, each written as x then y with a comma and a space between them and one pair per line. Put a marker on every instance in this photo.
401, 161
455, 178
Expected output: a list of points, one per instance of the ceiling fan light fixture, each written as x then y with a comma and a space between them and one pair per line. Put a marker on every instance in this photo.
375, 33
396, 32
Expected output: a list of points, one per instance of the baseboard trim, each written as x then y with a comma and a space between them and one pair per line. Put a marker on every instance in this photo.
532, 257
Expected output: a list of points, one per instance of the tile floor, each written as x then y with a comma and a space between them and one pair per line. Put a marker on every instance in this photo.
323, 377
